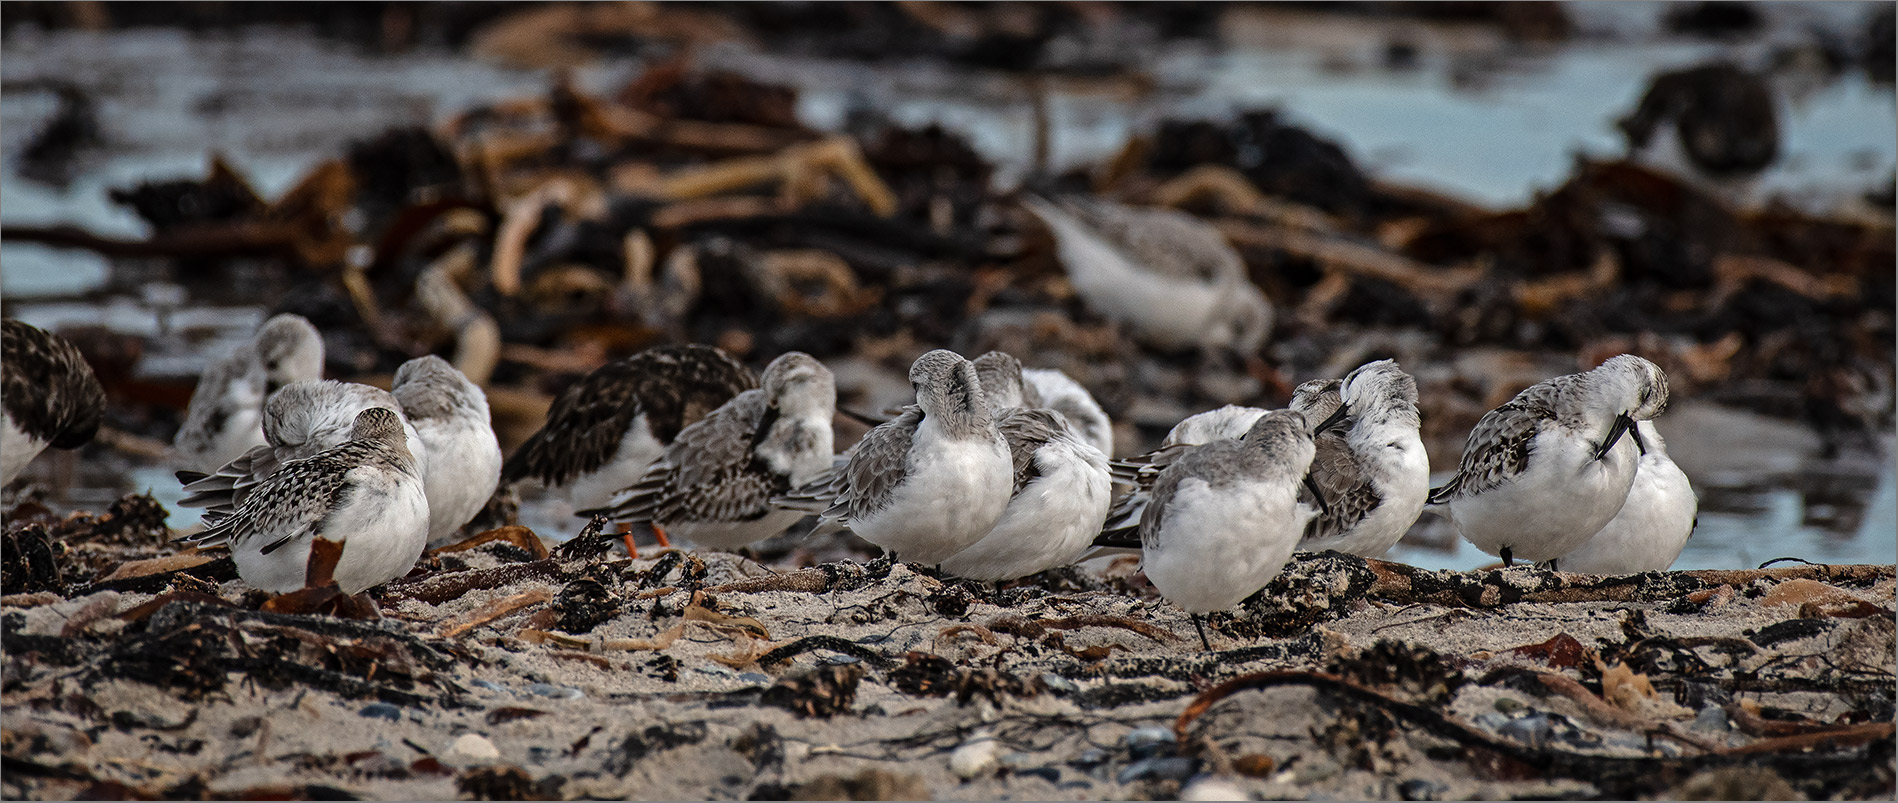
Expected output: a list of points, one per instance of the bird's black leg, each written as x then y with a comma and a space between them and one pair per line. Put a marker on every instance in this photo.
1509, 559
1202, 632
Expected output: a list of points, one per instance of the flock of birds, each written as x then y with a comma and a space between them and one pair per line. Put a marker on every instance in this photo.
995, 471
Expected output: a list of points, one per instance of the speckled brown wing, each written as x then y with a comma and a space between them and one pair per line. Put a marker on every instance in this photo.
876, 468
673, 386
292, 503
710, 473
48, 387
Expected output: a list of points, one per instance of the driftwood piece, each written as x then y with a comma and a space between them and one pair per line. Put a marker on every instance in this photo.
1397, 582
492, 611
436, 589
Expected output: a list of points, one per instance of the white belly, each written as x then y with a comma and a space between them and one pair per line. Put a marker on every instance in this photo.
1651, 529
464, 467
1214, 550
953, 494
1050, 524
1403, 488
733, 534
638, 450
1562, 498
16, 450
383, 535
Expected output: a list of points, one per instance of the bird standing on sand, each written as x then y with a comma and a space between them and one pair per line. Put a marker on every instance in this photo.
1548, 469
715, 484
300, 420
48, 394
1060, 496
1654, 523
225, 417
463, 463
1225, 516
930, 482
1370, 465
355, 514
605, 430
1170, 276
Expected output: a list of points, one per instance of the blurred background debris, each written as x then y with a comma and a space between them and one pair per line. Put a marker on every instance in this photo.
1491, 193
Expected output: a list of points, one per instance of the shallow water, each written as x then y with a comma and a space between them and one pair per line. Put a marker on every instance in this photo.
1475, 118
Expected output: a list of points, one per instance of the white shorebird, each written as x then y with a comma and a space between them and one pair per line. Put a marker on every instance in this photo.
1060, 496
1170, 276
1548, 469
1225, 516
300, 420
355, 514
715, 484
225, 417
1653, 525
48, 393
605, 430
1057, 391
930, 482
1370, 468
463, 459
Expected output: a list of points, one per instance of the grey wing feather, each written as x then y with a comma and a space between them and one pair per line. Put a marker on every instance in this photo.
879, 465
1027, 430
1349, 497
708, 473
1209, 462
292, 503
1499, 446
1166, 241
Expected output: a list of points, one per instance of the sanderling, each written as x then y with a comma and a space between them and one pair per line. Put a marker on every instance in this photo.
715, 484
225, 417
463, 459
300, 420
1059, 392
355, 514
1169, 275
1541, 474
1653, 525
1225, 516
1370, 467
1060, 495
605, 430
49, 395
930, 482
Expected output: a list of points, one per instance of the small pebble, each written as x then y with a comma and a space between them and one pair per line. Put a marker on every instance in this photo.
488, 685
1315, 770
755, 677
1058, 684
1148, 742
1533, 731
1712, 720
1213, 787
381, 711
1420, 789
1508, 705
1162, 768
557, 692
473, 748
975, 758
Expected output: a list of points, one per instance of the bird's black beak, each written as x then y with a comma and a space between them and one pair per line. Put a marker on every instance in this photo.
1312, 485
1332, 420
1621, 427
1634, 431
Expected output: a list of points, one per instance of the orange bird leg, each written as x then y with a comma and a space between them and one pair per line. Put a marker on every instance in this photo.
659, 533
626, 537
